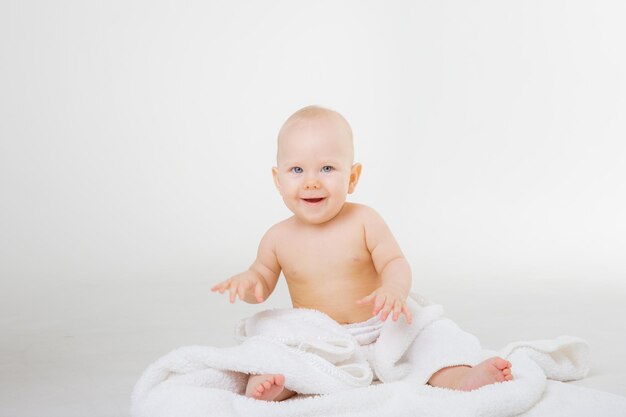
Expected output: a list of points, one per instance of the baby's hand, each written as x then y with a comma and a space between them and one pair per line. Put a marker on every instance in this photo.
242, 285
387, 299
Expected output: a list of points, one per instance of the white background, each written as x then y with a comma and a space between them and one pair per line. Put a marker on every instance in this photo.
137, 139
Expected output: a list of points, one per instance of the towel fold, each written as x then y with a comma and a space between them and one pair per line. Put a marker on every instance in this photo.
325, 362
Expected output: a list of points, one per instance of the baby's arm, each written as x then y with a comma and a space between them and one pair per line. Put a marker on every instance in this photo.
257, 283
392, 267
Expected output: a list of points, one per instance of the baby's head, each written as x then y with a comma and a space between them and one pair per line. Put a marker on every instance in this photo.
315, 164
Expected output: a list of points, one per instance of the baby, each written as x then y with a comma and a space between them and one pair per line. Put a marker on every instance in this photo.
337, 257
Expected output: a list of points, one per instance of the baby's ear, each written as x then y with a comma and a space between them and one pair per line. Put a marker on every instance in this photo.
275, 176
355, 174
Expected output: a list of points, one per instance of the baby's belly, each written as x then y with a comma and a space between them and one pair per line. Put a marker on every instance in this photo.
342, 315
336, 299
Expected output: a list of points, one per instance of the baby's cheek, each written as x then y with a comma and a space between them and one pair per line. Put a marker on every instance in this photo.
341, 185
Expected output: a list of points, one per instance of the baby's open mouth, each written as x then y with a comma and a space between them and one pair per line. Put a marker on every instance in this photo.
313, 200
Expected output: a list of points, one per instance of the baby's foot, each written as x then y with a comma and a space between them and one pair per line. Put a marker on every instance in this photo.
487, 372
265, 387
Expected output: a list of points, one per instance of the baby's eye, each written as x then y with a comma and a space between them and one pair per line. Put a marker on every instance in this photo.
296, 170
327, 168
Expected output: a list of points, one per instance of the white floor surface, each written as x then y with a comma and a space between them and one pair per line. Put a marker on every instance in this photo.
76, 350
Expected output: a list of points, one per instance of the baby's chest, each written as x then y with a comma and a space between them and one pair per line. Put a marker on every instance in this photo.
324, 256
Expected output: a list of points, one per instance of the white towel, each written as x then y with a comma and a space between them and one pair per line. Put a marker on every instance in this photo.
319, 356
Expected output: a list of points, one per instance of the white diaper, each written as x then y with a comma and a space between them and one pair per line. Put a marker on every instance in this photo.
366, 333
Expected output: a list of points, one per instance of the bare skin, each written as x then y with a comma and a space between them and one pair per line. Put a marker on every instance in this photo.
363, 272
268, 387
467, 378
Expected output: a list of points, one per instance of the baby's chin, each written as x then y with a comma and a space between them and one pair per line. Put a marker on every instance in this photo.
316, 220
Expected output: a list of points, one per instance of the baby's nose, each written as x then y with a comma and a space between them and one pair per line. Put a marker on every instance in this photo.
312, 185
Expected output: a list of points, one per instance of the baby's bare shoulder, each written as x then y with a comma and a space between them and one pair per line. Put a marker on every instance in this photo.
281, 228
363, 213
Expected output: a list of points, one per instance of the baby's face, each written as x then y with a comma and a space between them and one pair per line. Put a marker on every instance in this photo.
315, 172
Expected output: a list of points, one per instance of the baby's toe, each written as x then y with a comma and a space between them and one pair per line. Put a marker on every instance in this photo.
501, 364
506, 374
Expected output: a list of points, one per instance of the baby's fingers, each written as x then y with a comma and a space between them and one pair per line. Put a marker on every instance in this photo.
407, 314
220, 287
258, 291
379, 304
397, 309
241, 290
233, 288
387, 309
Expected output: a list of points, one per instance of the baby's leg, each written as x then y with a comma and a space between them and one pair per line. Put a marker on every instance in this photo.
268, 387
441, 345
466, 378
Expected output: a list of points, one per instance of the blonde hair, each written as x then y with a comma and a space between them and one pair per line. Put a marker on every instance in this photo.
316, 112
312, 113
